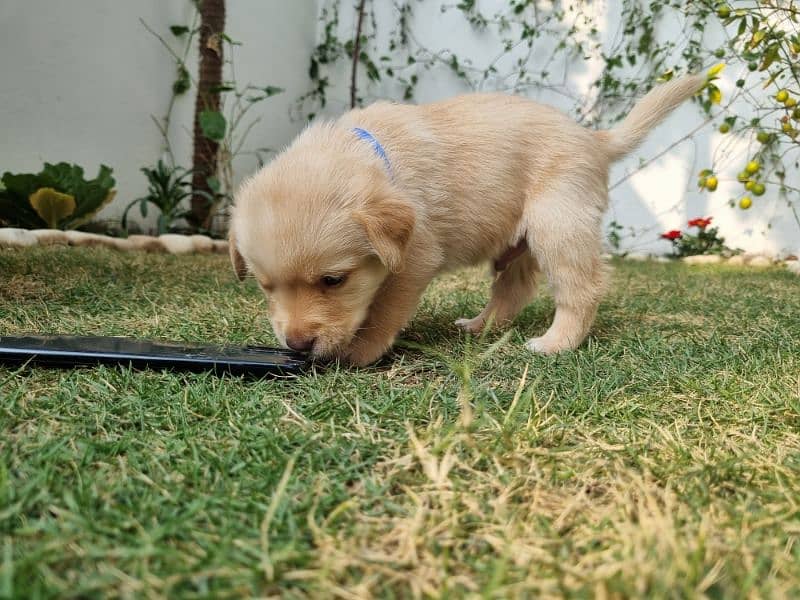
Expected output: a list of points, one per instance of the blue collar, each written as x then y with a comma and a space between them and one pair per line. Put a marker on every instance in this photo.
376, 145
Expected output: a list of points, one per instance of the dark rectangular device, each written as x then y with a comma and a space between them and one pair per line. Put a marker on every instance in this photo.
73, 351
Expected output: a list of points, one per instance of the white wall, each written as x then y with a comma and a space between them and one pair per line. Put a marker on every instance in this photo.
79, 81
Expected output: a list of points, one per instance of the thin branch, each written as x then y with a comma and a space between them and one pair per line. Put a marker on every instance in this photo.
356, 51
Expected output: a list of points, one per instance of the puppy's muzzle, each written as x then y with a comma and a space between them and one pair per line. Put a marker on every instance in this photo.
300, 343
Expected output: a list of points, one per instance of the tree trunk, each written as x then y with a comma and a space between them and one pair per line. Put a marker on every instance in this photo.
204, 158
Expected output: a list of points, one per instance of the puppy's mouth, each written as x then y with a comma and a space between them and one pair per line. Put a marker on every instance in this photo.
330, 348
327, 349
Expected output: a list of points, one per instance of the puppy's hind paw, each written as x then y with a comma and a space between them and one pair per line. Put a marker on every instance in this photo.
541, 345
474, 325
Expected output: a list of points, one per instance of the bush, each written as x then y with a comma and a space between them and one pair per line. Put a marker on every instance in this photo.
57, 198
706, 241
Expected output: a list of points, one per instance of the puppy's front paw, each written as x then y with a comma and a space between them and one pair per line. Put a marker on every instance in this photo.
361, 354
474, 325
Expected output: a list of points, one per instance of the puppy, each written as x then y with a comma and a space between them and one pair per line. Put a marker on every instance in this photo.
345, 228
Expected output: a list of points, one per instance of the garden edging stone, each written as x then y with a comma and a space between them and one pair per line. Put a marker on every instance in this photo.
12, 237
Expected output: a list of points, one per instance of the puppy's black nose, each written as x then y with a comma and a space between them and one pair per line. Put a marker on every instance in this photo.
299, 343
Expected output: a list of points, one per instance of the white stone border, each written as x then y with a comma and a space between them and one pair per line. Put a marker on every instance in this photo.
751, 260
168, 242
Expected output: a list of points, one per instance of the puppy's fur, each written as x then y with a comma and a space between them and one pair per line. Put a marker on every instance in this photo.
344, 245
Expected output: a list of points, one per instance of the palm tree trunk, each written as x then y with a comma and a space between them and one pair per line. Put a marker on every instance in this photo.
204, 158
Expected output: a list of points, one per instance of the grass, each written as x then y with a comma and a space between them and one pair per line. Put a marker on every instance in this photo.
661, 459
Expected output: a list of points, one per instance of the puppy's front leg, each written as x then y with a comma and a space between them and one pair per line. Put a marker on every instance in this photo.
390, 311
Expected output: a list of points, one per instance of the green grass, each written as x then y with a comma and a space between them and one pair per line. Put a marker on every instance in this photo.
661, 459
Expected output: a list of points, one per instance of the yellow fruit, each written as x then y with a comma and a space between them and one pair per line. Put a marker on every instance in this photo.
745, 203
782, 96
724, 11
711, 183
787, 128
796, 114
724, 128
749, 185
743, 177
790, 103
759, 189
752, 167
762, 137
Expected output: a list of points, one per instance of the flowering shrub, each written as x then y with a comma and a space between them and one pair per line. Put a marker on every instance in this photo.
764, 38
705, 241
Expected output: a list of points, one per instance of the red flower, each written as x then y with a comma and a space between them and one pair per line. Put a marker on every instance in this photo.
672, 235
700, 222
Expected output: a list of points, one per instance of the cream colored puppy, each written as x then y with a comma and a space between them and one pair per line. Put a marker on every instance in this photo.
345, 228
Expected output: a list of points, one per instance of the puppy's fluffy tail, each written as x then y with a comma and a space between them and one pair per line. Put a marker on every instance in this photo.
649, 112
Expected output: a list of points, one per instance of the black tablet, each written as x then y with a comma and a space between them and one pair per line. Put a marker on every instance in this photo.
75, 351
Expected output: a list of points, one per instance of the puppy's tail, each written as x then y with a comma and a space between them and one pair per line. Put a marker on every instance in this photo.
649, 112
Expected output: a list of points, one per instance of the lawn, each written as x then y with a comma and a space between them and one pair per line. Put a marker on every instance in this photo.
661, 459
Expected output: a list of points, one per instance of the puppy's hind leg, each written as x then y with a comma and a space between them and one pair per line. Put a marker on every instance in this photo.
513, 288
566, 238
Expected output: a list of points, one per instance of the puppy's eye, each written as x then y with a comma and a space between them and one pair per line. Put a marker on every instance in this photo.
332, 281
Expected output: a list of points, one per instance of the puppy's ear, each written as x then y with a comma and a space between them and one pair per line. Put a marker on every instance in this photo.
239, 266
389, 224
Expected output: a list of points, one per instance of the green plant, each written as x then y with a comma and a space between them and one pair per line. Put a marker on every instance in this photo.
225, 124
58, 197
167, 189
613, 235
706, 241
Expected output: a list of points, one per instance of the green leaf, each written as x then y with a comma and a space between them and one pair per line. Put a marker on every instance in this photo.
372, 71
163, 224
770, 54
714, 94
666, 76
716, 70
179, 30
229, 39
222, 87
758, 37
52, 206
212, 122
742, 27
182, 84
15, 210
272, 90
213, 184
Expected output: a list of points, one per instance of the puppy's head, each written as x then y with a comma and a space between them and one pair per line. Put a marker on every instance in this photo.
320, 232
